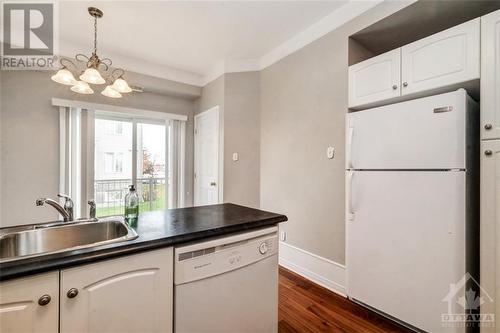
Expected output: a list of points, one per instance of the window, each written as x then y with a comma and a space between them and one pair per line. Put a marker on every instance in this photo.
113, 162
103, 151
116, 166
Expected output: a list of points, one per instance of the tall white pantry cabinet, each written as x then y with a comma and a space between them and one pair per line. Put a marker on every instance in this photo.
490, 167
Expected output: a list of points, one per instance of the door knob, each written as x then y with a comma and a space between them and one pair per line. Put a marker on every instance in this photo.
72, 293
44, 300
213, 183
488, 126
488, 152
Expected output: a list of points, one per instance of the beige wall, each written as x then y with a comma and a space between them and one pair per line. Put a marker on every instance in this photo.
303, 107
30, 139
237, 95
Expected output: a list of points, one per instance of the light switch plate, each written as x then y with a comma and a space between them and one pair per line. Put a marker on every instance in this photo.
330, 152
235, 157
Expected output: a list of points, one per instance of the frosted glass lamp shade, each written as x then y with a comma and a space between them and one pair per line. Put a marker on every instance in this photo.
120, 85
92, 75
82, 87
110, 92
64, 76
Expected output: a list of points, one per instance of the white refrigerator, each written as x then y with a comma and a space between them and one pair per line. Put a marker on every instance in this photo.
412, 209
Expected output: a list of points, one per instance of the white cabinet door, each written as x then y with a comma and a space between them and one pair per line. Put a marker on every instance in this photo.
446, 58
128, 294
490, 76
375, 79
30, 304
490, 230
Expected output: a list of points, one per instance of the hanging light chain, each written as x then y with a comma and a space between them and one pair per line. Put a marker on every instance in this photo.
95, 35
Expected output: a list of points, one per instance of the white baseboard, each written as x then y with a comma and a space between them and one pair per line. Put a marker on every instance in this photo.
325, 272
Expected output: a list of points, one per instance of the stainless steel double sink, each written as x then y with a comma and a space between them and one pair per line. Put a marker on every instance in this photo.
40, 239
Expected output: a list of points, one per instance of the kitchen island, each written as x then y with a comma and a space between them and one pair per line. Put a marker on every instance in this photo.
129, 285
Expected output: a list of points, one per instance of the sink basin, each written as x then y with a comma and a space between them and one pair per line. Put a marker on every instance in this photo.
36, 240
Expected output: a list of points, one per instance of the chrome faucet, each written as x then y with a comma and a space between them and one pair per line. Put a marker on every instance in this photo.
66, 211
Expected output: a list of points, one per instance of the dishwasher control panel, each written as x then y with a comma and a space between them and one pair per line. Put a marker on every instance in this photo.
198, 261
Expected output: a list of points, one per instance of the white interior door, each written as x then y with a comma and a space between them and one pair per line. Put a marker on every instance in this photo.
406, 243
206, 157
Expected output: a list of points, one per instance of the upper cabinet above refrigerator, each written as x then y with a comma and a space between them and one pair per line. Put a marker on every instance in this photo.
431, 64
375, 79
490, 76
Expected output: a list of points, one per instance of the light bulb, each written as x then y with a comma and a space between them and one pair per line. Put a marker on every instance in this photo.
82, 88
121, 85
110, 92
92, 75
64, 76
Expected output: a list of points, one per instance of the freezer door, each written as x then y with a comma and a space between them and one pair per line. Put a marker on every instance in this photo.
406, 244
426, 133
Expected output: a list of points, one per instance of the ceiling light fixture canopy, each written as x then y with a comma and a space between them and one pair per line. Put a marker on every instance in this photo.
96, 69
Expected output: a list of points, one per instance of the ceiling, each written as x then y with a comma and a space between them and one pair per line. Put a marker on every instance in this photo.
188, 41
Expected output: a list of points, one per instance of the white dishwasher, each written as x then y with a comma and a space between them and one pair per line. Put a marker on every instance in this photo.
228, 284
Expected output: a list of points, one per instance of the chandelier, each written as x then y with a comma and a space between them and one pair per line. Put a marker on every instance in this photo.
116, 84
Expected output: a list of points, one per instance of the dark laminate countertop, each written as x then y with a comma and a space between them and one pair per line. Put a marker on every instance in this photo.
155, 229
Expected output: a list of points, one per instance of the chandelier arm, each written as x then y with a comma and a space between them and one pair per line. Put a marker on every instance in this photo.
79, 55
120, 70
107, 61
67, 61
106, 67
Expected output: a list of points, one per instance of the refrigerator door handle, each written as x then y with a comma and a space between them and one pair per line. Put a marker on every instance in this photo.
350, 136
350, 207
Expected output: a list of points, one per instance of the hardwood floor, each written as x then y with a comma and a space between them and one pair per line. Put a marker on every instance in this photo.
307, 307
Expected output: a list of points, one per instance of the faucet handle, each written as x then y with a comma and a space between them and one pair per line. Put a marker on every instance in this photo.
68, 205
68, 202
92, 205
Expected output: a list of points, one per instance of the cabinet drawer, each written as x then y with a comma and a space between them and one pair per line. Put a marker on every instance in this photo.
446, 58
375, 79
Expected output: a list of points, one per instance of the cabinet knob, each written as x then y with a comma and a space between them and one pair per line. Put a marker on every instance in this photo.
405, 84
72, 293
44, 300
394, 87
488, 152
213, 183
488, 126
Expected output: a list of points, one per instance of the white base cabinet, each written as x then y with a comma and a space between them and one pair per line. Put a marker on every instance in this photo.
128, 294
30, 304
490, 231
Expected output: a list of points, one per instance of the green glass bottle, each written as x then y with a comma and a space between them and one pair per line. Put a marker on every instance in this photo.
131, 207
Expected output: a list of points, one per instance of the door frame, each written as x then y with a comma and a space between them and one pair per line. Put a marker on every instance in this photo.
220, 153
